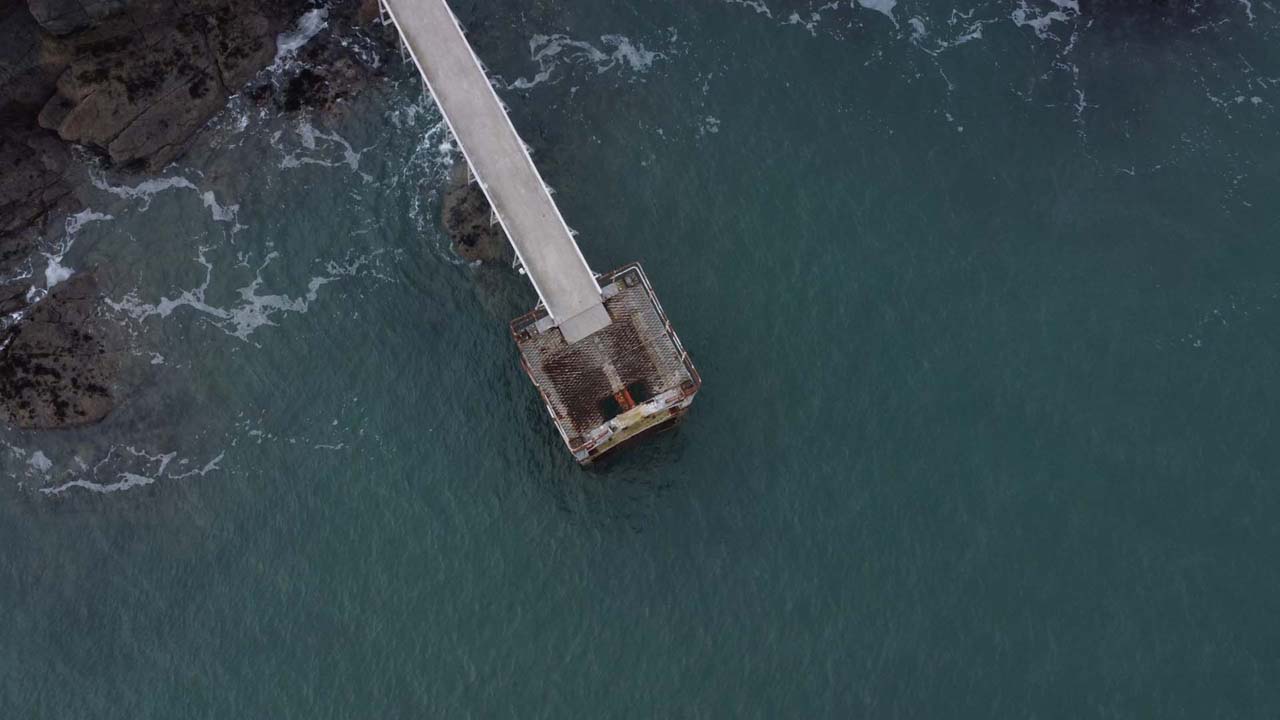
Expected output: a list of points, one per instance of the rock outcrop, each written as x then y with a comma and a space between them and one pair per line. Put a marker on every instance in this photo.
62, 17
468, 220
30, 63
32, 182
60, 362
140, 93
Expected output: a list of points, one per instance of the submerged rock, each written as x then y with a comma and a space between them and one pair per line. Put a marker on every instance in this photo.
467, 218
58, 365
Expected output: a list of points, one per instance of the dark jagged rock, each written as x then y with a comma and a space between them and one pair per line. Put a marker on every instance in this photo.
142, 97
62, 17
32, 182
142, 102
30, 63
467, 218
242, 43
58, 365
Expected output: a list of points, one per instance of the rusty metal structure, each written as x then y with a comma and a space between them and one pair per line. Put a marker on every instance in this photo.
599, 349
629, 379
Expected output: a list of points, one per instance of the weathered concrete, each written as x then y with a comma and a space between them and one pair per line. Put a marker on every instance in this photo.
516, 191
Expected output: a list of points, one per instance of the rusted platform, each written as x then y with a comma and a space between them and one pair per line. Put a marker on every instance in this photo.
620, 382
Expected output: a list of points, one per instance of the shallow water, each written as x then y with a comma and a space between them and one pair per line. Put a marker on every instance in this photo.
985, 297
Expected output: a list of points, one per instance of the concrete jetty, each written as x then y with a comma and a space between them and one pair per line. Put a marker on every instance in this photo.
502, 165
599, 349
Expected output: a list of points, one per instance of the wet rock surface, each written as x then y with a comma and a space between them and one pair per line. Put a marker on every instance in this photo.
59, 364
467, 218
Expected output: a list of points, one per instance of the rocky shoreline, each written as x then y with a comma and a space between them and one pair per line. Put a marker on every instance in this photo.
133, 82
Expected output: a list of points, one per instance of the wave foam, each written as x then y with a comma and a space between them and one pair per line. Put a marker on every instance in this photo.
310, 138
288, 43
550, 51
125, 468
884, 7
1040, 19
254, 310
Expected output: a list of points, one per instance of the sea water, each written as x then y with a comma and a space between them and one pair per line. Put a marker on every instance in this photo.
985, 295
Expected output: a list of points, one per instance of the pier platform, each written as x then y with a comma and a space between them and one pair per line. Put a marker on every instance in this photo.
628, 379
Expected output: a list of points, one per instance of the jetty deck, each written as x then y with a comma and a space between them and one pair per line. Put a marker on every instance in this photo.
629, 379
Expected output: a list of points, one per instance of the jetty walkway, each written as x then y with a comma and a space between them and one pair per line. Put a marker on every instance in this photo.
501, 165
599, 349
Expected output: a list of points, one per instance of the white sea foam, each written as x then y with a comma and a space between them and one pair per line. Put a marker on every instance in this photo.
1248, 8
1040, 19
125, 468
884, 7
55, 272
307, 27
811, 24
127, 480
918, 30
214, 464
220, 213
757, 5
74, 223
315, 146
146, 190
253, 311
550, 51
40, 462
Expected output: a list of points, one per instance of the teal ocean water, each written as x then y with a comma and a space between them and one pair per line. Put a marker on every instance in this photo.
985, 295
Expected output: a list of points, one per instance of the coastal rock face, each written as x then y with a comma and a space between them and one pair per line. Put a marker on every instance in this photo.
467, 218
30, 62
62, 17
141, 97
59, 363
32, 167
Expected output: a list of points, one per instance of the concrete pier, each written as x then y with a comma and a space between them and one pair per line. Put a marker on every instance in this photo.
502, 166
601, 352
